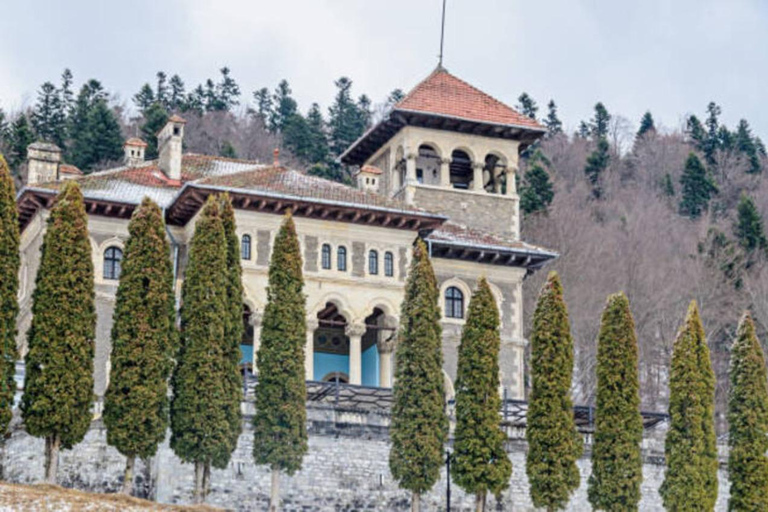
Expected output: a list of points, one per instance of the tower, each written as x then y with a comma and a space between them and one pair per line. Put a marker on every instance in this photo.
169, 145
450, 148
43, 160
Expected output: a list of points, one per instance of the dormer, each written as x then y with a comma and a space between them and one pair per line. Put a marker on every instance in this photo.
450, 148
134, 152
170, 142
369, 178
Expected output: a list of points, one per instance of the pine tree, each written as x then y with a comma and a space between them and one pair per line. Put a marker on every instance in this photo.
234, 327
195, 101
104, 140
318, 148
227, 92
161, 90
227, 150
748, 422
695, 132
597, 164
155, 118
617, 464
537, 192
480, 462
283, 107
9, 287
346, 120
144, 98
65, 91
712, 141
749, 225
21, 137
177, 98
554, 445
49, 117
419, 425
263, 105
200, 419
280, 431
552, 122
144, 342
745, 144
599, 124
647, 125
690, 482
697, 188
58, 385
527, 105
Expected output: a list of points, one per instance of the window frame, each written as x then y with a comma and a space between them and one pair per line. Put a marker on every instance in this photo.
325, 257
373, 262
246, 247
112, 263
453, 298
341, 258
389, 264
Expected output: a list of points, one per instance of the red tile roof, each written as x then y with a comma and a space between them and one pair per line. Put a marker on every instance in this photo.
370, 169
135, 141
69, 169
443, 94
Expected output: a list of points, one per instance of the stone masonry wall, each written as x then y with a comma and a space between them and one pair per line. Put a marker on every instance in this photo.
346, 469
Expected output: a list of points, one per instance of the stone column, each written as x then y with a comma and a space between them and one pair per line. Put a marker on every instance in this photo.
255, 320
511, 184
445, 172
309, 349
355, 332
477, 179
386, 348
410, 169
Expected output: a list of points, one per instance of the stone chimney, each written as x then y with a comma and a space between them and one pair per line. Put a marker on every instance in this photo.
368, 178
134, 152
42, 162
169, 146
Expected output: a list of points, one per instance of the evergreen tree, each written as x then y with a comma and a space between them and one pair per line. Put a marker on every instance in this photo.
537, 192
144, 98
200, 419
161, 90
283, 107
745, 144
5, 129
21, 137
597, 164
318, 142
647, 125
419, 425
227, 92
346, 120
583, 131
296, 136
143, 342
554, 445
480, 463
65, 92
552, 121
695, 131
103, 141
155, 118
712, 140
749, 225
527, 105
58, 384
690, 482
195, 101
599, 124
760, 146
395, 97
617, 464
726, 140
9, 287
697, 188
227, 150
263, 105
668, 186
234, 327
49, 117
176, 98
748, 422
280, 431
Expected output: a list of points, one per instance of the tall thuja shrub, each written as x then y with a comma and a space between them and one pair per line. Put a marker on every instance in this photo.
9, 287
144, 340
234, 329
748, 422
419, 423
58, 385
480, 462
690, 448
554, 445
280, 422
617, 465
200, 426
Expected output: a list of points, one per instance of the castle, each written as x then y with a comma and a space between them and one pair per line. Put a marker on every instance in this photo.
441, 166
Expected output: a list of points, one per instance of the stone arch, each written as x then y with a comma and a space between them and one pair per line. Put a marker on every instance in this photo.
461, 168
495, 165
428, 163
338, 300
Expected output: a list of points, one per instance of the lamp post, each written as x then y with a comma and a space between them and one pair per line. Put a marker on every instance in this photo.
448, 481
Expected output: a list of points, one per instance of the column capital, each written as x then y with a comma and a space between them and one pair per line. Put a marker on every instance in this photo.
411, 156
445, 161
478, 165
387, 346
312, 324
256, 318
355, 329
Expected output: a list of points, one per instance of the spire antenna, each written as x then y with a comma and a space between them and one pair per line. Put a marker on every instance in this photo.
442, 37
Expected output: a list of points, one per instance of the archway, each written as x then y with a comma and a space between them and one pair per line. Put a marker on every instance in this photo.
330, 344
494, 174
461, 169
428, 165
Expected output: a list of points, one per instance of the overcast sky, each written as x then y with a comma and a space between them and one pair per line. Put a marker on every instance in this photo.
669, 56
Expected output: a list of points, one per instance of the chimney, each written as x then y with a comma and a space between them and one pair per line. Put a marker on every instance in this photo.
169, 146
276, 157
134, 152
42, 162
368, 178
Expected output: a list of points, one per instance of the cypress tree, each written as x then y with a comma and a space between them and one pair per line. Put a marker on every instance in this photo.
749, 225
480, 462
617, 465
697, 188
690, 482
58, 385
419, 425
280, 430
554, 445
200, 426
143, 342
9, 287
748, 422
234, 327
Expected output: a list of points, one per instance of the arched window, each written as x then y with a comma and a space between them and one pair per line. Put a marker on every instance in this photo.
461, 170
389, 264
341, 258
113, 256
454, 303
245, 247
326, 256
373, 262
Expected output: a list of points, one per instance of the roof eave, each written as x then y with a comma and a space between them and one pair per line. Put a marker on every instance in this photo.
532, 259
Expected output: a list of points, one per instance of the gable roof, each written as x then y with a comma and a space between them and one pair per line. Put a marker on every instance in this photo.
444, 94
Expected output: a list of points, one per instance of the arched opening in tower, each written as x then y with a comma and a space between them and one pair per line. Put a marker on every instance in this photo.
461, 170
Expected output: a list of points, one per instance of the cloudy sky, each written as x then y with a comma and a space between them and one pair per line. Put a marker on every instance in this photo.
671, 57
